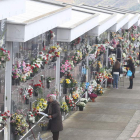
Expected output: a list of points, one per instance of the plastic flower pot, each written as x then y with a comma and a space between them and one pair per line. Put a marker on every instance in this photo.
61, 74
64, 90
35, 93
93, 99
48, 84
54, 59
42, 66
32, 74
81, 108
13, 81
44, 128
26, 100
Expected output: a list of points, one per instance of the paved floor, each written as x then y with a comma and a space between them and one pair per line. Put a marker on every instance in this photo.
114, 116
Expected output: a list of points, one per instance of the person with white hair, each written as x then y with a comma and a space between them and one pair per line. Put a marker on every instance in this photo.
54, 114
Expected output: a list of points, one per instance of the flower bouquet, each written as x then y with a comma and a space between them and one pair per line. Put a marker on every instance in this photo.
3, 118
83, 100
40, 104
99, 90
30, 117
67, 66
19, 124
70, 102
49, 80
36, 114
4, 56
81, 105
64, 107
75, 96
77, 57
38, 88
93, 96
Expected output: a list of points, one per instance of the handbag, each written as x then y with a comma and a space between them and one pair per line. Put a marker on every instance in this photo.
129, 73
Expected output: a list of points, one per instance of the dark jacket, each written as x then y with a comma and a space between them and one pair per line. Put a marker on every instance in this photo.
119, 53
116, 70
132, 68
56, 121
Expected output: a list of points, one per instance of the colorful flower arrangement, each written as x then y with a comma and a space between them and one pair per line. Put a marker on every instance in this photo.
40, 104
102, 49
4, 116
38, 88
19, 123
92, 96
75, 96
67, 66
99, 64
68, 82
99, 90
4, 56
77, 57
30, 117
70, 102
64, 107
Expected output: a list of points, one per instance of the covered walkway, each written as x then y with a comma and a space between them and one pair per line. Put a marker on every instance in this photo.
114, 116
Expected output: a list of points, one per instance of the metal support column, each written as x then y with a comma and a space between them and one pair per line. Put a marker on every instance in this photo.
8, 80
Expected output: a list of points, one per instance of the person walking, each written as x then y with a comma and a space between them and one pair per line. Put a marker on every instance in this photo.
131, 67
115, 73
54, 114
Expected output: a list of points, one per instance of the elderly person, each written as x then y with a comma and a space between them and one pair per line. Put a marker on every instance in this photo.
53, 110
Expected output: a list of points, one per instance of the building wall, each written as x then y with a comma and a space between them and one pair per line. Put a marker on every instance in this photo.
66, 1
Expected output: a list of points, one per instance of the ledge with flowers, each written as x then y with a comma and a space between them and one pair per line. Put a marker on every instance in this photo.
22, 71
4, 57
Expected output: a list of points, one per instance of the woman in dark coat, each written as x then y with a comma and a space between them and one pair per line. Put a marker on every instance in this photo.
55, 123
132, 68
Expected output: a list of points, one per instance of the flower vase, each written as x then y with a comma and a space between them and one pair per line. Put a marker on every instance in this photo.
27, 101
54, 59
42, 66
64, 90
62, 113
75, 100
61, 74
44, 128
35, 93
48, 84
32, 74
36, 119
93, 99
13, 81
81, 108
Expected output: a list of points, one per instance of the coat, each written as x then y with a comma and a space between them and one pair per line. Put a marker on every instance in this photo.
132, 68
56, 121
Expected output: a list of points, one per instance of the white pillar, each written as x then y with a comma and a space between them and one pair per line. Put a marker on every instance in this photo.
107, 57
57, 81
8, 81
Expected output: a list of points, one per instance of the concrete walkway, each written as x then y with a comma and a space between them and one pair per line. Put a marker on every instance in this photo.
114, 116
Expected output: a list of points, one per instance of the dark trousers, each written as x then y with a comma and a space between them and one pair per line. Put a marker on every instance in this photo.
131, 83
55, 135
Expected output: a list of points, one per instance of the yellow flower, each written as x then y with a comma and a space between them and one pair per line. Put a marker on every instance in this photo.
41, 99
37, 107
62, 81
